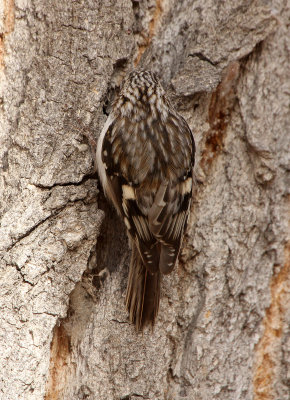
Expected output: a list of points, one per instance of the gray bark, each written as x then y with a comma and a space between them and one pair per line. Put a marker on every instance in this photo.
223, 326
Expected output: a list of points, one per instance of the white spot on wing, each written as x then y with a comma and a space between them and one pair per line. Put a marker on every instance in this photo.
186, 186
128, 192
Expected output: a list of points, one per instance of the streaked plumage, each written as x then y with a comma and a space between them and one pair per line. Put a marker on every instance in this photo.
145, 156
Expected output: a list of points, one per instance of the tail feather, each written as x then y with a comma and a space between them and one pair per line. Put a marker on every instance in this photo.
143, 293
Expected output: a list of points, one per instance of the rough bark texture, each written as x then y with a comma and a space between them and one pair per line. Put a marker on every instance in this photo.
223, 327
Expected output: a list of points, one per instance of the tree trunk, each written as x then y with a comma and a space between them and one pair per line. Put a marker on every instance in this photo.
223, 325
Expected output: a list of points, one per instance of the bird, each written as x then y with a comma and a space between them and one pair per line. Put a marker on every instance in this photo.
145, 158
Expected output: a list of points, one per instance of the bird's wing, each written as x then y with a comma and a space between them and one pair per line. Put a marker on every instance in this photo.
123, 194
168, 217
169, 212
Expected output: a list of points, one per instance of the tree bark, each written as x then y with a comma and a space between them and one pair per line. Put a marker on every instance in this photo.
223, 325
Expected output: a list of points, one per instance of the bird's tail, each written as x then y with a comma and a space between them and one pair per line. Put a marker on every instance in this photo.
143, 292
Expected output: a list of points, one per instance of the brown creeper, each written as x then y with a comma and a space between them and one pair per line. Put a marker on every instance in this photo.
145, 156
